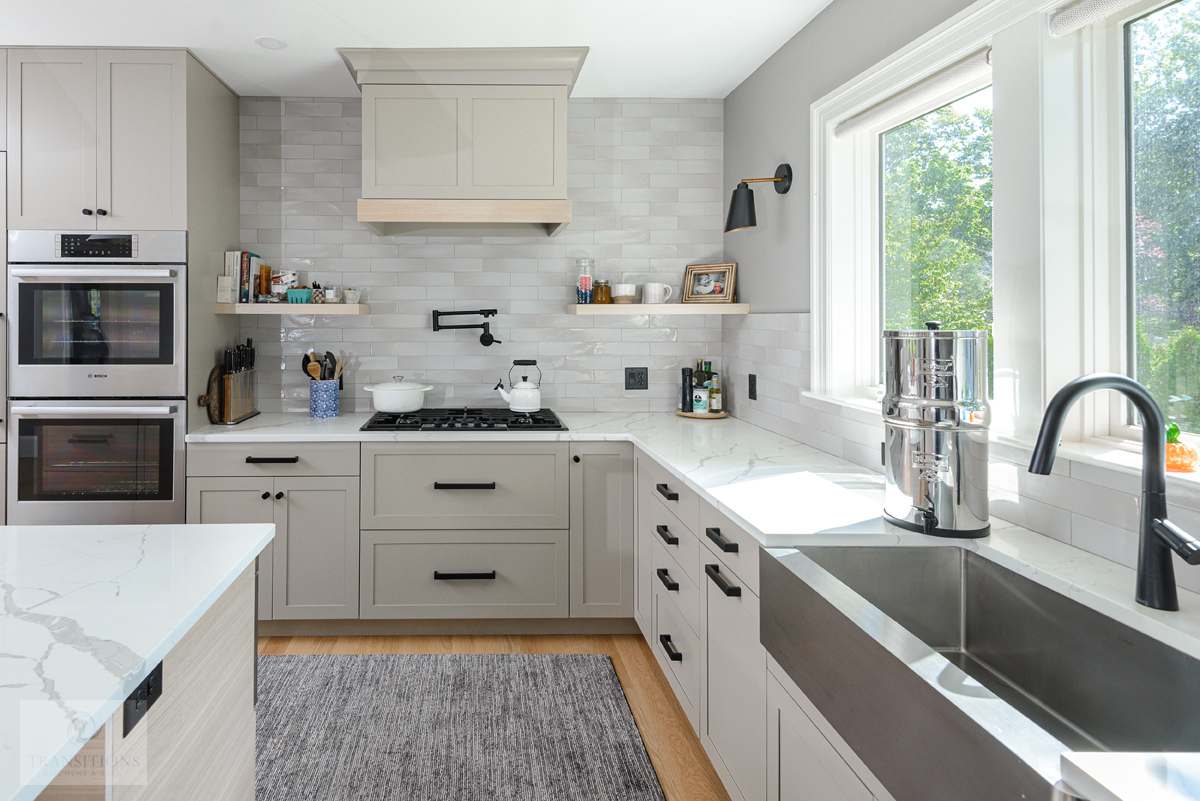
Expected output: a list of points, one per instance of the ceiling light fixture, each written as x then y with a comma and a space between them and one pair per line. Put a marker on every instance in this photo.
270, 43
741, 208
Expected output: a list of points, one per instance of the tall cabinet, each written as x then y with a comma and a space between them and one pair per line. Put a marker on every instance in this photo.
99, 139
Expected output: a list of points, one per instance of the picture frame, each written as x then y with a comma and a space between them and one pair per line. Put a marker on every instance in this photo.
710, 283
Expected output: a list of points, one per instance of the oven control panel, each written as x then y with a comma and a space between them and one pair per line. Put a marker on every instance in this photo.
95, 246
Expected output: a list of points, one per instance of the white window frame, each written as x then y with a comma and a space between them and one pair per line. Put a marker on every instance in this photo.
1059, 253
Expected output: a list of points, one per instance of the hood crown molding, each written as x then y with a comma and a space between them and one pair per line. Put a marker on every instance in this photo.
512, 66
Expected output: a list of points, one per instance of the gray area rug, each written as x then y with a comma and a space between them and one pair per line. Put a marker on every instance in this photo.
488, 726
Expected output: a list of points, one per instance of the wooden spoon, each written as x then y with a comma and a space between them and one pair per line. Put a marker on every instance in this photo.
314, 369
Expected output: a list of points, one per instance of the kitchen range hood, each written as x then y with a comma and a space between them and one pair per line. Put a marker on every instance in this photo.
465, 141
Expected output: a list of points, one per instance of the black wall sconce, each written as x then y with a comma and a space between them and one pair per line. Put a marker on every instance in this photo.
741, 208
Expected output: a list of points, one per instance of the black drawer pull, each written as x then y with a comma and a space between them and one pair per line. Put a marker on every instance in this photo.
665, 578
462, 576
667, 536
673, 653
272, 459
714, 573
664, 491
452, 486
725, 545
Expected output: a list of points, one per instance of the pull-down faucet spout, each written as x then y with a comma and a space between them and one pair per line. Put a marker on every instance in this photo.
1157, 537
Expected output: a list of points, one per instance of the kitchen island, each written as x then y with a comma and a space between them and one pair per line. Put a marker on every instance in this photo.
89, 613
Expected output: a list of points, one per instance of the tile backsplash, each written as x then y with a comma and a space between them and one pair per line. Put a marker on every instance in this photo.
646, 189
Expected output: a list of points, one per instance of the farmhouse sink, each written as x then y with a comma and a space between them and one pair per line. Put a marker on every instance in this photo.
954, 677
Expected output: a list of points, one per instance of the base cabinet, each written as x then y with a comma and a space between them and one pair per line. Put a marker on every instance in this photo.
801, 763
601, 529
464, 574
733, 715
310, 571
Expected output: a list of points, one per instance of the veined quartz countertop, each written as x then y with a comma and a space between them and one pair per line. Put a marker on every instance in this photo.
88, 612
786, 494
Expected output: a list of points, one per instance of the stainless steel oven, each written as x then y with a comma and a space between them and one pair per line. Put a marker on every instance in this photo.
88, 461
97, 315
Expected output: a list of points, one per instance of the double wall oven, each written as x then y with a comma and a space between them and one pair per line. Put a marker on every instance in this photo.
96, 376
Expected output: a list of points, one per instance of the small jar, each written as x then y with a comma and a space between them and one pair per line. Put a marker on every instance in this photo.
601, 294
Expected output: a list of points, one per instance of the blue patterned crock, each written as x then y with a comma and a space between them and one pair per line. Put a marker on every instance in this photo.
323, 398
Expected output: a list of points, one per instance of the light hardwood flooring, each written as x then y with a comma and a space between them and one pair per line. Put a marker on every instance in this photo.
683, 768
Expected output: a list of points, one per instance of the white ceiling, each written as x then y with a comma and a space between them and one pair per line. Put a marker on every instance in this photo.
639, 48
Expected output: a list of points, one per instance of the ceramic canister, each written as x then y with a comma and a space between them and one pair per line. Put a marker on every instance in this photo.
323, 398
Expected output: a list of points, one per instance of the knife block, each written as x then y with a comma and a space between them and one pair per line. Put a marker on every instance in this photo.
239, 395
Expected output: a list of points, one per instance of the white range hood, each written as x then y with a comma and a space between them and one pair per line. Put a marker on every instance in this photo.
465, 141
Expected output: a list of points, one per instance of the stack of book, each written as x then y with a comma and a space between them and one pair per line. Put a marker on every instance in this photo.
239, 284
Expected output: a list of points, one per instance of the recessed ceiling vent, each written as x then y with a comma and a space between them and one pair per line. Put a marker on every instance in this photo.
465, 141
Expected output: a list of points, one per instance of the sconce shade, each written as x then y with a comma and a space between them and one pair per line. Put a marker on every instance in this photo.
741, 209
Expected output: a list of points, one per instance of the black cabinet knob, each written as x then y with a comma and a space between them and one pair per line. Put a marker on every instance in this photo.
278, 495
102, 212
87, 212
266, 495
575, 459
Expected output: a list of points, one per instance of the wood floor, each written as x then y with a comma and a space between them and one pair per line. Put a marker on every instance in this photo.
675, 751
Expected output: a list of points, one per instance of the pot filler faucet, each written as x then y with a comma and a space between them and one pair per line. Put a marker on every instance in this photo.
1157, 536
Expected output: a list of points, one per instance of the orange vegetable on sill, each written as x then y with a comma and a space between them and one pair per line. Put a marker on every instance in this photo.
1181, 458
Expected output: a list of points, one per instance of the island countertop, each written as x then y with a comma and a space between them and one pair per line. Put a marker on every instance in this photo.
88, 612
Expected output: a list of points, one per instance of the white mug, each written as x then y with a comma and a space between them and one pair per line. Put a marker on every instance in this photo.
655, 293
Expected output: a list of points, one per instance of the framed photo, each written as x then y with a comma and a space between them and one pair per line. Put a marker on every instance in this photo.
710, 283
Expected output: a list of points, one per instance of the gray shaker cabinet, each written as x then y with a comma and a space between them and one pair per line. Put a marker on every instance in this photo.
602, 529
465, 142
316, 548
97, 130
237, 500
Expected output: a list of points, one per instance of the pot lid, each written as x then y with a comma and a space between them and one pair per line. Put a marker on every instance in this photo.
398, 383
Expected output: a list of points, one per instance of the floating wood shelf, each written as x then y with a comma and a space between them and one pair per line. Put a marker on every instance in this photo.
291, 308
660, 308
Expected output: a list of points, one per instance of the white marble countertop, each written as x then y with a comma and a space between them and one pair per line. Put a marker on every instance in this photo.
786, 494
1133, 777
88, 612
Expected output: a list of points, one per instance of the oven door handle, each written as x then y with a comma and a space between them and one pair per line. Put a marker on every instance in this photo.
66, 272
93, 411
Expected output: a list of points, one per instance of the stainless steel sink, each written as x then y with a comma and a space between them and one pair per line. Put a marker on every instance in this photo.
952, 676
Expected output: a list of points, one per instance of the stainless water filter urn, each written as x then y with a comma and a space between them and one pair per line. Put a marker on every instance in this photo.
936, 415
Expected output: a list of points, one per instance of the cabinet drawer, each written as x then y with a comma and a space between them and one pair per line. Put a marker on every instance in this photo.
715, 529
660, 525
464, 574
515, 485
670, 491
686, 594
272, 459
673, 636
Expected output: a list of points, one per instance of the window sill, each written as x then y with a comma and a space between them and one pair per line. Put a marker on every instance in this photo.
864, 409
1120, 455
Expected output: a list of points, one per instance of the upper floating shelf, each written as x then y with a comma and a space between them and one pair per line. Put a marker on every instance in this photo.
660, 308
291, 308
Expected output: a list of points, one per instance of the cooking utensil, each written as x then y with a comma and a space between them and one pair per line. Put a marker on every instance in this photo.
330, 364
398, 395
304, 362
314, 370
212, 398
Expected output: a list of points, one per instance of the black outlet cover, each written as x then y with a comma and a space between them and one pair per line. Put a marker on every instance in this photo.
141, 699
752, 386
637, 378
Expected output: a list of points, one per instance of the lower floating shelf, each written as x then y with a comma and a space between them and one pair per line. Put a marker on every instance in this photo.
660, 308
291, 308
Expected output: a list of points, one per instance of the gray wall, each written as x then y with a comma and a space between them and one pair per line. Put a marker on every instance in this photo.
766, 122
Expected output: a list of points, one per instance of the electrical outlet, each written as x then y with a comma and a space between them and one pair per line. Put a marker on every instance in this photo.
637, 378
752, 386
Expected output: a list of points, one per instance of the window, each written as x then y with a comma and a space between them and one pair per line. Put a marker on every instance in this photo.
937, 217
1163, 196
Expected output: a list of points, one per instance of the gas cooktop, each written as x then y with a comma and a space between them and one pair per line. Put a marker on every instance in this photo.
465, 420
